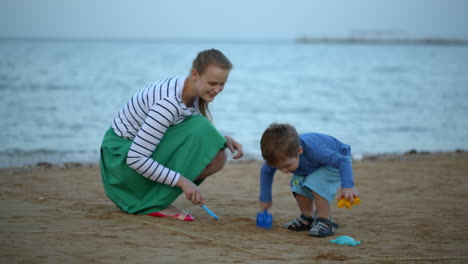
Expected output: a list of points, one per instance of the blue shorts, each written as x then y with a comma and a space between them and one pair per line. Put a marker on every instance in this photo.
325, 181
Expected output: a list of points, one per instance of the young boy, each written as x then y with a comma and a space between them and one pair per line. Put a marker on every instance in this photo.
319, 163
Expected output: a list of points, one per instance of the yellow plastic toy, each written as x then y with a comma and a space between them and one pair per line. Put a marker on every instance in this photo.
345, 203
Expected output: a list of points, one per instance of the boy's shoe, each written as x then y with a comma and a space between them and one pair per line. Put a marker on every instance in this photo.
300, 224
335, 225
322, 227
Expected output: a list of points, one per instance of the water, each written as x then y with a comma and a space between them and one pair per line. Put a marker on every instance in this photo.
57, 98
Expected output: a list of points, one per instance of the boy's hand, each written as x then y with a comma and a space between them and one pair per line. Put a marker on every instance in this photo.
264, 205
349, 194
233, 145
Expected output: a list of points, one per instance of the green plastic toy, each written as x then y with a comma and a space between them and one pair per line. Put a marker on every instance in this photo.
345, 240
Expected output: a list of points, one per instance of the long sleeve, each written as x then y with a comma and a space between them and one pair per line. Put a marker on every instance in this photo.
160, 117
334, 159
266, 182
346, 172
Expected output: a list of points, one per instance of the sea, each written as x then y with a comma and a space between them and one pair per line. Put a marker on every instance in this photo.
58, 97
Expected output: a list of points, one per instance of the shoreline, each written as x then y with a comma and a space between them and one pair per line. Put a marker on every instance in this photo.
356, 158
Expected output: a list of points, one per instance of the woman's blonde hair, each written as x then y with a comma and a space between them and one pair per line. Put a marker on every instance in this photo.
204, 59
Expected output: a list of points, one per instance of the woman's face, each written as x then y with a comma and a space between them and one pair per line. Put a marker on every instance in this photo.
209, 84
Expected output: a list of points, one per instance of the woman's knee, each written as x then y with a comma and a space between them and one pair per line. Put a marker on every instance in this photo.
219, 160
216, 164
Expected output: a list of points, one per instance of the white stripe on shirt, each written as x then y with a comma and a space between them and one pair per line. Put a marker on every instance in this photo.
145, 118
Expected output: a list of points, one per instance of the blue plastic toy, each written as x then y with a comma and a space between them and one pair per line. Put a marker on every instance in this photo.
345, 240
210, 212
264, 219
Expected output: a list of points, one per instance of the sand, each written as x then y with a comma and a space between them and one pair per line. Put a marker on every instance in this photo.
413, 210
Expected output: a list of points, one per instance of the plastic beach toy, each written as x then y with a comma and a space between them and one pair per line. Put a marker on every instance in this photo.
345, 240
345, 203
264, 219
210, 212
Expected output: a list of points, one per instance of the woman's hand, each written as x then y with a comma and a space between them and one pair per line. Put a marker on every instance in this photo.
234, 146
264, 206
349, 194
191, 190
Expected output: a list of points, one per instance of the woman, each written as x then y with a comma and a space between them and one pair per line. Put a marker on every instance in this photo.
162, 143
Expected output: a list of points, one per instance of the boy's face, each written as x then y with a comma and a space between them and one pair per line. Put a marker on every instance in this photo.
289, 165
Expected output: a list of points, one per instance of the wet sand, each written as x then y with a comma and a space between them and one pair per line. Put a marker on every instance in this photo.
414, 209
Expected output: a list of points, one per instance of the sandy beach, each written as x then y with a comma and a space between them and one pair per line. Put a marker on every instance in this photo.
413, 210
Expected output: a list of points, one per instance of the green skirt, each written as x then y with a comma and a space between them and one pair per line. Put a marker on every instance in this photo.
187, 148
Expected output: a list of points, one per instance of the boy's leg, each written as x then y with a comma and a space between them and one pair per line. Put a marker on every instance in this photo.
322, 226
305, 220
306, 205
323, 184
303, 196
323, 206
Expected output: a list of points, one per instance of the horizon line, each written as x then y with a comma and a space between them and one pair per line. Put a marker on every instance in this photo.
300, 39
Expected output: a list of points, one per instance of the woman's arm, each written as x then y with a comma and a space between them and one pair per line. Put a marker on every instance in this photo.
159, 118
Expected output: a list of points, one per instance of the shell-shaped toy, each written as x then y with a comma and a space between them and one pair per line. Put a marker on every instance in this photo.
345, 240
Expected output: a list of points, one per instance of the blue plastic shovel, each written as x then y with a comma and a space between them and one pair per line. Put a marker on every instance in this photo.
264, 220
210, 212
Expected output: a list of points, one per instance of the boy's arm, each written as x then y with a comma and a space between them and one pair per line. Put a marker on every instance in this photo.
266, 181
346, 172
334, 159
343, 163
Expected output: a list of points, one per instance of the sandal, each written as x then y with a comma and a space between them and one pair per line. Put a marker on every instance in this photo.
322, 227
335, 225
300, 224
187, 217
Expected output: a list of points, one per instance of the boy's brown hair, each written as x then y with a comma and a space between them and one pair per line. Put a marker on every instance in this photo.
279, 142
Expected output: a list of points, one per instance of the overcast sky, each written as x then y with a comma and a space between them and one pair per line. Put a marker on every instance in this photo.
232, 19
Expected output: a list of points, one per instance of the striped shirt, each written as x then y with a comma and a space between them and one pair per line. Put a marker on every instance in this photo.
145, 118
